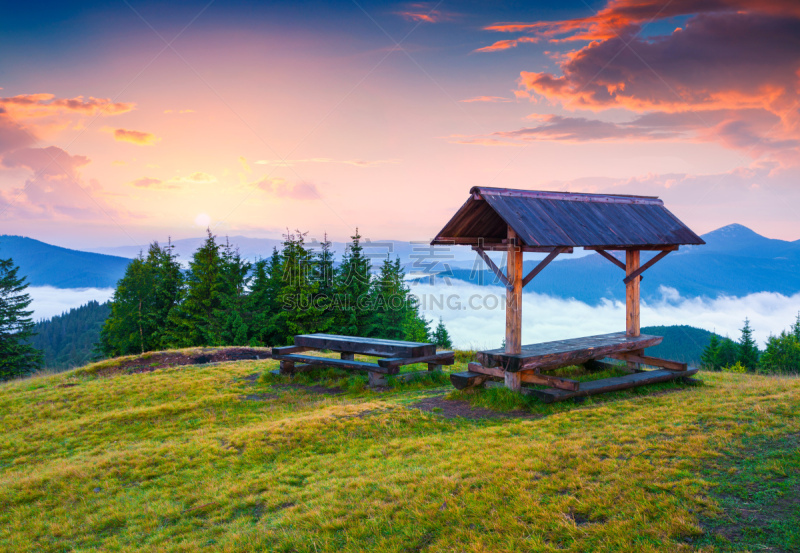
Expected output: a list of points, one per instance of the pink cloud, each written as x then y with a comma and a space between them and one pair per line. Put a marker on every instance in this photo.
282, 189
45, 105
139, 138
506, 44
491, 99
424, 12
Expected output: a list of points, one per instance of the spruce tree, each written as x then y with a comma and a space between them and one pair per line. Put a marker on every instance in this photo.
325, 273
148, 291
441, 337
727, 354
300, 313
17, 356
228, 325
748, 350
128, 329
193, 323
710, 355
389, 302
354, 284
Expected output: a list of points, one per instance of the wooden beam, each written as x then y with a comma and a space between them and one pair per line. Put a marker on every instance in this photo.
526, 377
652, 361
612, 259
513, 300
632, 294
497, 247
646, 266
495, 269
467, 379
542, 264
625, 248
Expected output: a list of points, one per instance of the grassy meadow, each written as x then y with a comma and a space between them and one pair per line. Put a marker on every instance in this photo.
226, 457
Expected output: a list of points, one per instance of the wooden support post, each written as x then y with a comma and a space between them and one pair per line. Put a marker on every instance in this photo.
348, 355
287, 367
434, 367
376, 379
514, 295
513, 381
632, 299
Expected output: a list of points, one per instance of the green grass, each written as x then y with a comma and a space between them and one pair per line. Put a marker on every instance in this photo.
179, 460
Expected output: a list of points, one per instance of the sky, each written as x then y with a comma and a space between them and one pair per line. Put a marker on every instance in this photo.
127, 122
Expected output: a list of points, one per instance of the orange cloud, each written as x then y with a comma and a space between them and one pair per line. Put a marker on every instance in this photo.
492, 99
424, 12
506, 44
135, 137
26, 106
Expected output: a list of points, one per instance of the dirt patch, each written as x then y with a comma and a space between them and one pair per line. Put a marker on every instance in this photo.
450, 409
320, 390
150, 362
258, 397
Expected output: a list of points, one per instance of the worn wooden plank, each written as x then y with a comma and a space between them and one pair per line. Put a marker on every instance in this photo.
542, 264
285, 350
467, 379
483, 191
441, 358
526, 377
655, 259
611, 258
365, 346
513, 295
561, 353
652, 361
527, 249
339, 363
604, 385
494, 268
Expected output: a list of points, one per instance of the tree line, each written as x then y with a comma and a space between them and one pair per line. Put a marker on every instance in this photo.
781, 355
224, 300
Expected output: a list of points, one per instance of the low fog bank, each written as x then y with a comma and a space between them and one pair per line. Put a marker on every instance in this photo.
49, 301
475, 316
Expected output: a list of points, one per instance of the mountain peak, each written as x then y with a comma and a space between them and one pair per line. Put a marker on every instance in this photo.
733, 231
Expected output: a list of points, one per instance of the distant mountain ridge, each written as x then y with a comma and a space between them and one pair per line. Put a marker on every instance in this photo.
47, 265
735, 261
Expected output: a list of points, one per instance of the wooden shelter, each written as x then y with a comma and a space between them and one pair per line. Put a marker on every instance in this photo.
518, 221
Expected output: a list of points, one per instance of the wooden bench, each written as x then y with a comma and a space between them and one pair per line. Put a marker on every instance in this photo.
530, 365
392, 355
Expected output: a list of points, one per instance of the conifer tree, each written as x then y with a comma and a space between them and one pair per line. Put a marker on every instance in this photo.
441, 337
727, 354
192, 323
228, 322
748, 350
353, 291
300, 313
324, 273
389, 302
17, 356
142, 301
263, 301
711, 353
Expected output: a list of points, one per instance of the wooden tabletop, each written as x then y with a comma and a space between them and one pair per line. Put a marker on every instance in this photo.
366, 346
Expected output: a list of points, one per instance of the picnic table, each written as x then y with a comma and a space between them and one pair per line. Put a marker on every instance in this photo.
535, 360
391, 354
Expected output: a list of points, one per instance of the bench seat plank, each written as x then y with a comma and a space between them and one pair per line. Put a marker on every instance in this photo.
378, 347
562, 353
441, 358
342, 363
604, 385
